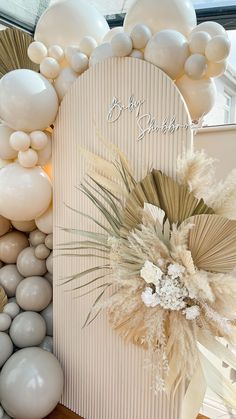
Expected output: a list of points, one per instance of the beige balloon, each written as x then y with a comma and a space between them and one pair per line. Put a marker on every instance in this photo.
41, 251
11, 244
37, 237
27, 329
10, 279
25, 193
45, 221
29, 265
6, 151
25, 226
34, 293
4, 225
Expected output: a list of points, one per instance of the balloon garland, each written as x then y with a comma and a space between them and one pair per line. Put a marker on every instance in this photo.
70, 37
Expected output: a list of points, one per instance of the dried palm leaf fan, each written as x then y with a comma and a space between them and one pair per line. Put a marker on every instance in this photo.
13, 51
3, 299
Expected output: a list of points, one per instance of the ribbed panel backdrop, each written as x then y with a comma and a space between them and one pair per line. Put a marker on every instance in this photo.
104, 377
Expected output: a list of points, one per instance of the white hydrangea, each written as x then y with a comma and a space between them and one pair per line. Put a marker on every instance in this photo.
192, 313
175, 270
172, 294
151, 273
149, 298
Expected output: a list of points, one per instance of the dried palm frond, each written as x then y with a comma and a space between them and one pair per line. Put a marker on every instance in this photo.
13, 51
162, 191
3, 299
212, 242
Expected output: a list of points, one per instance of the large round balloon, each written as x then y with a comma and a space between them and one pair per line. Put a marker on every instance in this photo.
162, 14
199, 95
28, 101
67, 22
31, 383
34, 293
27, 329
25, 193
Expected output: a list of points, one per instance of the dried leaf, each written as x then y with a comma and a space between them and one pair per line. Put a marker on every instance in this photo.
3, 299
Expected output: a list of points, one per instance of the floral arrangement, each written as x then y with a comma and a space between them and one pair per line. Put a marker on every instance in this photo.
167, 250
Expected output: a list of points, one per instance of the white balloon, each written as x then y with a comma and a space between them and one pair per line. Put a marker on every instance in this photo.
28, 158
38, 140
42, 252
25, 193
31, 383
168, 50
47, 314
162, 14
25, 226
195, 66
121, 45
111, 33
199, 95
137, 54
140, 36
216, 69
5, 322
55, 51
10, 279
87, 45
20, 141
45, 221
212, 28
79, 62
6, 348
6, 150
28, 101
44, 155
101, 53
37, 237
27, 329
11, 244
37, 52
67, 22
198, 42
218, 48
70, 51
64, 81
12, 309
49, 263
47, 344
34, 293
50, 68
29, 265
4, 225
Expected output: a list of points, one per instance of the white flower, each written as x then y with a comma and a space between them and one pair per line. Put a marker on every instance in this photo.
151, 273
150, 299
172, 294
192, 312
175, 270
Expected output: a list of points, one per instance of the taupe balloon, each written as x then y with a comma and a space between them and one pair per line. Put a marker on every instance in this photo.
49, 241
49, 263
34, 293
29, 265
47, 314
47, 344
37, 237
10, 279
31, 384
12, 309
4, 225
11, 244
27, 329
42, 252
6, 346
25, 226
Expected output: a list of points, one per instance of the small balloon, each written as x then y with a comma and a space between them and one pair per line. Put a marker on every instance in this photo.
12, 309
37, 52
218, 48
87, 45
198, 42
47, 314
79, 62
49, 241
70, 51
42, 252
5, 322
47, 344
29, 265
27, 329
28, 158
137, 54
111, 33
50, 68
37, 237
38, 140
140, 36
25, 226
64, 81
6, 150
6, 348
100, 53
20, 141
5, 225
56, 52
216, 69
212, 28
44, 155
11, 244
45, 221
121, 45
34, 293
195, 66
10, 279
49, 263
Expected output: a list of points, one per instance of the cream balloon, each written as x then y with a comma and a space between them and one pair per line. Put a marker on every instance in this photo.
4, 225
195, 66
10, 279
199, 95
44, 155
11, 244
20, 141
198, 42
140, 36
64, 81
216, 69
55, 51
168, 50
137, 54
25, 193
31, 384
159, 15
27, 329
67, 22
38, 140
112, 32
79, 62
37, 52
50, 68
29, 265
28, 101
212, 28
87, 45
28, 158
6, 150
6, 348
45, 221
25, 226
100, 53
121, 45
34, 293
218, 48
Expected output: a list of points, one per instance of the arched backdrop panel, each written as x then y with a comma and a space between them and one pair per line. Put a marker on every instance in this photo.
106, 378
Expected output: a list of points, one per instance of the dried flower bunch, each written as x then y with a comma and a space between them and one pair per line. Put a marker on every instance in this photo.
169, 256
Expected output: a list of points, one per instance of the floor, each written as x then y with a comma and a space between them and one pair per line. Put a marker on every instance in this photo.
62, 412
